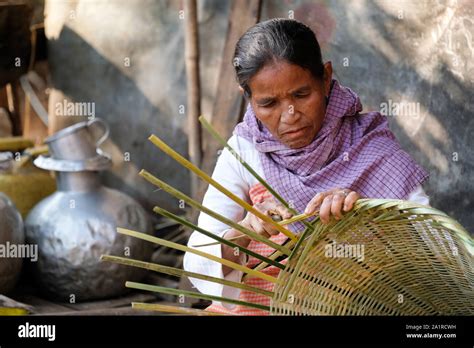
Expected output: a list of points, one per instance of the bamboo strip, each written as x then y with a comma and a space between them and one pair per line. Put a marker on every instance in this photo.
180, 247
180, 292
171, 190
184, 162
220, 240
177, 272
298, 218
173, 309
215, 243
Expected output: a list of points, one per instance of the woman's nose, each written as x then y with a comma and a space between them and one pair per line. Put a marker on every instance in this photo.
289, 114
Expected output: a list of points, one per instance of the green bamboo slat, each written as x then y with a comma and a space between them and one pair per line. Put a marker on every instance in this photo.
179, 292
173, 309
180, 247
220, 240
299, 218
177, 272
184, 162
216, 243
157, 182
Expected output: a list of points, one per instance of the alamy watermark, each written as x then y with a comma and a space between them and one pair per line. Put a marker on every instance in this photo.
28, 330
404, 109
11, 250
344, 250
67, 108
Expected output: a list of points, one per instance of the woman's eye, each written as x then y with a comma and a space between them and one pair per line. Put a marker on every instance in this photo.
303, 95
267, 105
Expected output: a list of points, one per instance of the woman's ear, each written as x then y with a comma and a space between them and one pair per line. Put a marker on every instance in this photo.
241, 90
327, 78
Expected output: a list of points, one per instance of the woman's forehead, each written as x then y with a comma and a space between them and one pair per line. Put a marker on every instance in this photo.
280, 78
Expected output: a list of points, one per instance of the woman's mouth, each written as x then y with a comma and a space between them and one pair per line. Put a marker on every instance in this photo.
295, 133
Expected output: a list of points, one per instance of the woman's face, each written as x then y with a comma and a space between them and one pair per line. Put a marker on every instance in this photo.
290, 102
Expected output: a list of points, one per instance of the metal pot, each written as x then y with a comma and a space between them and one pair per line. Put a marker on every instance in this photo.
77, 142
11, 236
77, 224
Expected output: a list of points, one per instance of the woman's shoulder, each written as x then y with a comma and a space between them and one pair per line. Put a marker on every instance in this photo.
247, 151
244, 148
238, 142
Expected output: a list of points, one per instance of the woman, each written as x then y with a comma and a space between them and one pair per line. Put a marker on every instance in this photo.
305, 135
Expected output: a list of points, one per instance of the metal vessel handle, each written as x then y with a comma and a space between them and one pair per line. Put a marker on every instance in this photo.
105, 129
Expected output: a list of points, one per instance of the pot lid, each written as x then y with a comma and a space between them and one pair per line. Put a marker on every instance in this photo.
100, 162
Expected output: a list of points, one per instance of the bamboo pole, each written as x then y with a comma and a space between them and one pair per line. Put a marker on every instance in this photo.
180, 247
191, 52
184, 162
13, 100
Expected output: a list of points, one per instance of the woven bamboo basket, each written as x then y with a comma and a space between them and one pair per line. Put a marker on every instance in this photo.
384, 257
415, 260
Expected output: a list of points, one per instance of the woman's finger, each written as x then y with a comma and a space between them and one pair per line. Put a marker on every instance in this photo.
258, 227
270, 230
314, 203
336, 205
350, 200
283, 211
325, 209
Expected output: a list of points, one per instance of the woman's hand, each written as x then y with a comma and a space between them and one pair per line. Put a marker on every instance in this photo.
268, 207
332, 202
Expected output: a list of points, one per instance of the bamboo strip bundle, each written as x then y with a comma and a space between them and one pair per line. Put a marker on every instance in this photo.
384, 257
179, 272
180, 247
184, 162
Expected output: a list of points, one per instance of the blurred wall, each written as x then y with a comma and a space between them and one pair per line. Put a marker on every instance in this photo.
413, 60
127, 57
